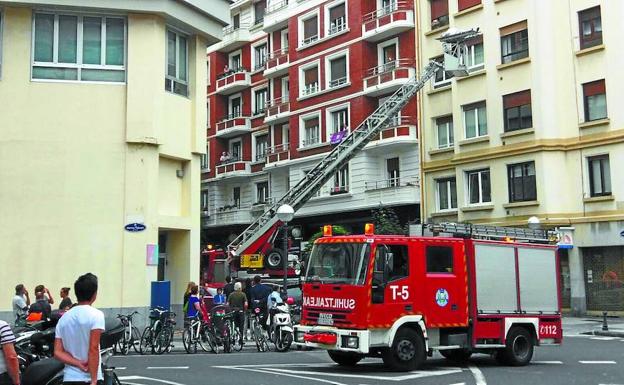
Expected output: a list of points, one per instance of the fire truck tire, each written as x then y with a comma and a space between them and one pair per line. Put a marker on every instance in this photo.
345, 358
407, 352
456, 355
274, 258
519, 347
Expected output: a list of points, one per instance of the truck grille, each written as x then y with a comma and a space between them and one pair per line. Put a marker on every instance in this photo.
338, 317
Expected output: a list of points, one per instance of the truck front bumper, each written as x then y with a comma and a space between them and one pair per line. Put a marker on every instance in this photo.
331, 338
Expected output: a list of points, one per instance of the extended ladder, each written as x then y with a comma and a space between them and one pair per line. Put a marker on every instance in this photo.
380, 119
492, 232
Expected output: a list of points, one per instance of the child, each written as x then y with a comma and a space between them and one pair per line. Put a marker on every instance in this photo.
219, 299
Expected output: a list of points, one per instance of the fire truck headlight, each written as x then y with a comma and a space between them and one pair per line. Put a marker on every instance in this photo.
299, 337
350, 342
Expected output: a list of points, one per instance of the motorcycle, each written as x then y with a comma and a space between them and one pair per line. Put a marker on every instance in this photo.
35, 342
49, 371
280, 326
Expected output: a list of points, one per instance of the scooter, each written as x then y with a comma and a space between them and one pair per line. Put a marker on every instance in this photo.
280, 326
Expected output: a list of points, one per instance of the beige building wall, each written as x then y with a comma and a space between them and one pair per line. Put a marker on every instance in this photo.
559, 141
80, 160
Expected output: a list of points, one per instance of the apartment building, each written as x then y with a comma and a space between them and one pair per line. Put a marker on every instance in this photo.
102, 121
288, 81
534, 130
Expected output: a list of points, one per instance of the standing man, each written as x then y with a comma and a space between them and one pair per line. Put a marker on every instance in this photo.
21, 301
9, 365
78, 332
259, 295
238, 302
41, 308
66, 302
46, 293
229, 287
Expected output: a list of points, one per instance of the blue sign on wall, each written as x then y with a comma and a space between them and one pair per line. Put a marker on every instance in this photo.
134, 227
622, 233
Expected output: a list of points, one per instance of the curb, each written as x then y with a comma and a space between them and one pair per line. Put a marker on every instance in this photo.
606, 333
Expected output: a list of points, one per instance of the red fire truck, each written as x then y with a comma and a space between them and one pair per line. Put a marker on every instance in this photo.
457, 289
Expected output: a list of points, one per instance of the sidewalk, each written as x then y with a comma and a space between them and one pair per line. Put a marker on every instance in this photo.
593, 326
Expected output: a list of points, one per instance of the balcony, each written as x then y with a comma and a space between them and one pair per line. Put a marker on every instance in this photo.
229, 215
337, 190
233, 168
234, 37
388, 21
233, 81
276, 15
277, 64
402, 133
277, 111
233, 125
387, 78
276, 155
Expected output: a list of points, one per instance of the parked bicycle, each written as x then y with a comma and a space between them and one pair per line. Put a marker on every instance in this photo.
257, 331
131, 336
220, 328
158, 336
236, 336
197, 332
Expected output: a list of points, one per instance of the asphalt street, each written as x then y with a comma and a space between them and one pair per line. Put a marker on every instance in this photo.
580, 360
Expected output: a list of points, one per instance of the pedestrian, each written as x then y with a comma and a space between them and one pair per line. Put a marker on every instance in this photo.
187, 294
229, 287
41, 309
259, 295
9, 364
219, 299
78, 332
66, 302
193, 303
247, 290
46, 293
237, 300
21, 301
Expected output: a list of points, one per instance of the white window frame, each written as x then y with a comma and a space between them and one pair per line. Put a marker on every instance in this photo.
304, 92
446, 81
337, 55
284, 80
449, 130
479, 170
327, 8
285, 44
329, 120
208, 112
205, 201
302, 119
587, 173
471, 54
384, 44
477, 121
186, 82
79, 44
254, 112
304, 17
285, 130
232, 54
254, 138
268, 191
253, 54
337, 178
232, 97
447, 182
231, 147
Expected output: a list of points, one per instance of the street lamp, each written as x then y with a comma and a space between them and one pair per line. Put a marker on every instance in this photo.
534, 223
285, 214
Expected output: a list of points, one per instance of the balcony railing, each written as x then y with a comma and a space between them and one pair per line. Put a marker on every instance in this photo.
392, 183
276, 6
278, 153
311, 141
336, 190
377, 77
233, 28
397, 13
309, 40
277, 107
233, 124
233, 168
276, 59
310, 89
338, 82
337, 26
233, 80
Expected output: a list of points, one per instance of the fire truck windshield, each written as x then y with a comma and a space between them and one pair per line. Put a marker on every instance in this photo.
343, 263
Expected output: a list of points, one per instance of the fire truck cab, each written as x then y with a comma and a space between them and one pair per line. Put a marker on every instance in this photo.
402, 297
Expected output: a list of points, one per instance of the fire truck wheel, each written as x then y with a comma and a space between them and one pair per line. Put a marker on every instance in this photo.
407, 352
345, 358
274, 258
456, 355
519, 347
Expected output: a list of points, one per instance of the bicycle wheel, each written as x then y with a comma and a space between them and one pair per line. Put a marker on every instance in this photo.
206, 342
237, 340
257, 335
163, 339
187, 340
145, 344
124, 343
136, 338
227, 345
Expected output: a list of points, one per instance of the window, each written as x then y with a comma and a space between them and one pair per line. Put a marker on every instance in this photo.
599, 175
235, 107
341, 181
262, 143
522, 182
236, 197
387, 56
204, 200
514, 42
442, 78
82, 48
590, 25
262, 192
260, 56
465, 4
338, 71
259, 10
339, 120
447, 194
479, 190
439, 259
595, 100
475, 58
236, 21
176, 80
204, 161
309, 31
397, 258
517, 111
392, 166
439, 13
235, 150
310, 80
445, 131
311, 131
475, 120
337, 19
235, 62
260, 100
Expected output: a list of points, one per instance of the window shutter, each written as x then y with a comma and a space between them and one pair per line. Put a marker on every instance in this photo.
337, 12
311, 76
594, 88
517, 99
314, 122
475, 40
464, 4
339, 68
310, 27
438, 8
513, 28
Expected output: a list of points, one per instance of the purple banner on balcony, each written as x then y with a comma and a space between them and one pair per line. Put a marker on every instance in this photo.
337, 137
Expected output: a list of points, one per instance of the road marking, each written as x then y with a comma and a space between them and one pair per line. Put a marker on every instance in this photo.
291, 375
124, 378
478, 375
167, 367
459, 383
604, 338
546, 362
598, 362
